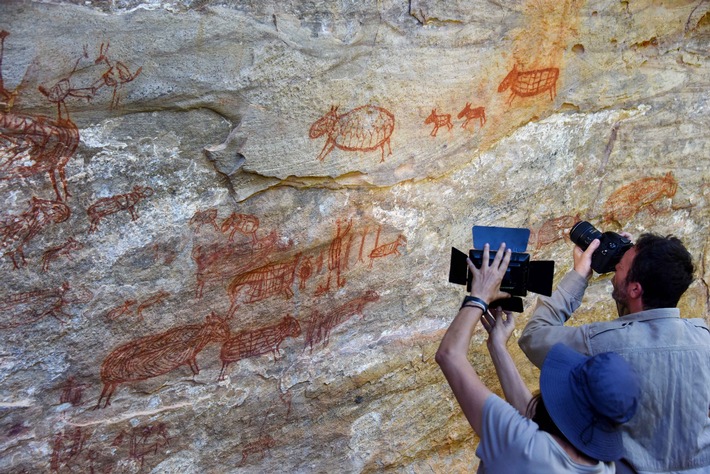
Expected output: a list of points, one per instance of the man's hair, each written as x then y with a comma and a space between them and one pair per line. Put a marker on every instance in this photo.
663, 267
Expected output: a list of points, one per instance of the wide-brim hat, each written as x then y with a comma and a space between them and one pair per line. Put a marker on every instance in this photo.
588, 398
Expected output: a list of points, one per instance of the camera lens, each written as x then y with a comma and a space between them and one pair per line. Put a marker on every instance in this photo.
582, 234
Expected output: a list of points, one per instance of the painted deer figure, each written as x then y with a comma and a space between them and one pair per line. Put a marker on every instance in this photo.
255, 342
439, 120
365, 128
470, 114
151, 356
530, 83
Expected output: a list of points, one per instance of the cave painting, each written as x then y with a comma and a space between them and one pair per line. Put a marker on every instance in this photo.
65, 250
472, 114
530, 83
335, 261
628, 200
21, 309
320, 325
390, 248
115, 76
113, 204
364, 128
255, 342
69, 453
72, 392
204, 218
142, 441
554, 229
151, 356
221, 260
259, 447
245, 224
271, 279
35, 144
439, 120
17, 230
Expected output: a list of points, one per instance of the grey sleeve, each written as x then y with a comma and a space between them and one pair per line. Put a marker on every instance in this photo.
546, 325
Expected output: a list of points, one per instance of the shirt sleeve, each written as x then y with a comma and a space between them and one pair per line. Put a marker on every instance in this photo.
504, 431
546, 325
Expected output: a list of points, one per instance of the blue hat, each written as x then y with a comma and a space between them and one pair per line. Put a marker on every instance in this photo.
588, 398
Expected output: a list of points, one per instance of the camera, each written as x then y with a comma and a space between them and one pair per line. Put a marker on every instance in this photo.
612, 245
522, 273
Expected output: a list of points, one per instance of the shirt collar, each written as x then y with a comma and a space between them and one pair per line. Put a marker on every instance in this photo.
657, 313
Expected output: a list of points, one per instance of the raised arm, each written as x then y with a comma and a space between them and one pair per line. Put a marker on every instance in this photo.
500, 327
546, 325
452, 355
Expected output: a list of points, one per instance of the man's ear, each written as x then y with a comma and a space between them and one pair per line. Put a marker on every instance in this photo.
634, 290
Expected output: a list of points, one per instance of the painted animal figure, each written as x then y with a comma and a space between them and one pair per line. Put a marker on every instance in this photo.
365, 128
246, 224
219, 261
31, 145
17, 230
202, 218
260, 447
390, 248
115, 76
121, 202
121, 310
271, 279
151, 301
628, 200
470, 114
530, 83
439, 120
65, 249
151, 356
320, 325
555, 229
255, 342
28, 307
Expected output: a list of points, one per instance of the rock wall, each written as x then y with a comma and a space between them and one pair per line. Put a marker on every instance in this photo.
226, 225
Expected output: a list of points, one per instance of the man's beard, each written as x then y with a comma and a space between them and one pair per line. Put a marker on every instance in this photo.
621, 297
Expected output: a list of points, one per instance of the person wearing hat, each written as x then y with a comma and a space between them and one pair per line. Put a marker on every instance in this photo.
571, 427
671, 431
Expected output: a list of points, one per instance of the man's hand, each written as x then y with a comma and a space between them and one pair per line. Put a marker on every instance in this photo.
499, 327
487, 279
583, 258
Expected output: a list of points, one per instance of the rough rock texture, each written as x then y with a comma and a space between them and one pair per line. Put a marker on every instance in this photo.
226, 225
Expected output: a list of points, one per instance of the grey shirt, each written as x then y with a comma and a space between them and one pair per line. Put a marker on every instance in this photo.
512, 444
671, 430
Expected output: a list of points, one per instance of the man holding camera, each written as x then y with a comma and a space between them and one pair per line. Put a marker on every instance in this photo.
671, 430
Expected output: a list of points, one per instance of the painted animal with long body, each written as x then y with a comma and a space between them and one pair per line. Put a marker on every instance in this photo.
320, 325
255, 342
530, 83
271, 279
470, 114
121, 202
364, 128
151, 356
